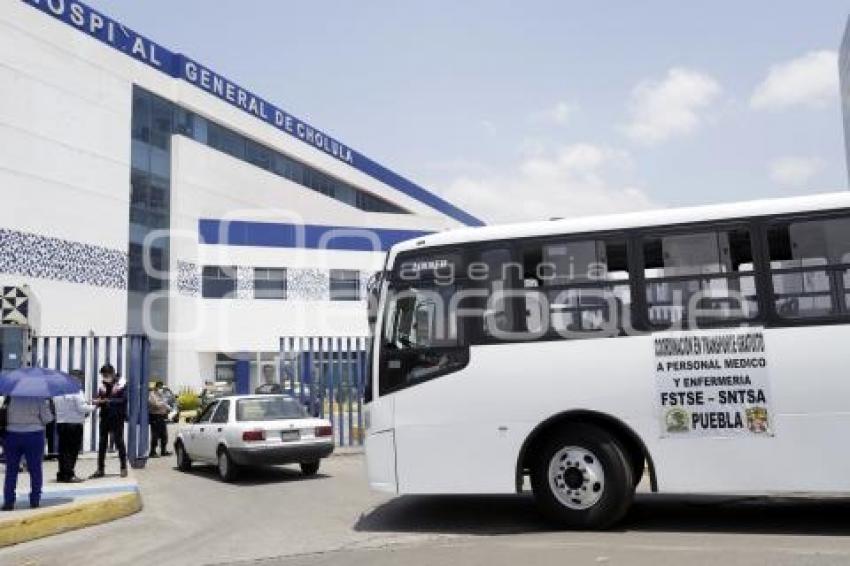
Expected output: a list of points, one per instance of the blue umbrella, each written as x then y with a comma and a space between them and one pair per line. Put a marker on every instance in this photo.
37, 382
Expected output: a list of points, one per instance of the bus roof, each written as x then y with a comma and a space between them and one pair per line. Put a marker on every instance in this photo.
625, 221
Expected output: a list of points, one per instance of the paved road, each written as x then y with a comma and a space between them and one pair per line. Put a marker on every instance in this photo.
274, 517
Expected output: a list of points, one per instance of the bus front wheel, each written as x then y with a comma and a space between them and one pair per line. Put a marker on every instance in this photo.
582, 478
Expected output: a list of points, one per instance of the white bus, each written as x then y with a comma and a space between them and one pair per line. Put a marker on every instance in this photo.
707, 348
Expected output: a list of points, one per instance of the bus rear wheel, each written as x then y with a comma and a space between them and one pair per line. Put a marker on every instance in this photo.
582, 478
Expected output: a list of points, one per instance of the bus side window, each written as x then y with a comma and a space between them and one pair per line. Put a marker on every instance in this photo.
704, 277
809, 269
493, 272
577, 288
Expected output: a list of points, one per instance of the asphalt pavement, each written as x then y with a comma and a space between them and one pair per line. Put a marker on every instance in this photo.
276, 517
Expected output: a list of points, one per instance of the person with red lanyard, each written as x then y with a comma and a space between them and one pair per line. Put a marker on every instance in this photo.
111, 402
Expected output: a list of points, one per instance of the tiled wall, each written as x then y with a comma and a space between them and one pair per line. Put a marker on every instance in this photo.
33, 255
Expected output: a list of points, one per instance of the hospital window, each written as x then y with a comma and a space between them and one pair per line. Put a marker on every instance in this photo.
219, 282
269, 283
344, 285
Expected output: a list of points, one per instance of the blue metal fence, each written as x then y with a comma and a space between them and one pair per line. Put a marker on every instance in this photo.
328, 375
128, 354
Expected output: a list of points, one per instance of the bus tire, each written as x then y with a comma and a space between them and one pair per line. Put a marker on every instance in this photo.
582, 478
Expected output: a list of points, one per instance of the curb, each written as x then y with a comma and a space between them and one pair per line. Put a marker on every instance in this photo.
73, 516
345, 452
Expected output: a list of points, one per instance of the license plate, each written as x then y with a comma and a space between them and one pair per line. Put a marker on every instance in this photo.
290, 435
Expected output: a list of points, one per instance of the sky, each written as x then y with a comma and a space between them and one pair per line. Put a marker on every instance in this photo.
539, 109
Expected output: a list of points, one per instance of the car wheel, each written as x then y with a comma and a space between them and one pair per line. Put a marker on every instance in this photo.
184, 463
227, 469
310, 468
582, 479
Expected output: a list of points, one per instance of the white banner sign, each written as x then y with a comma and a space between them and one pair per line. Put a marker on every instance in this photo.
713, 383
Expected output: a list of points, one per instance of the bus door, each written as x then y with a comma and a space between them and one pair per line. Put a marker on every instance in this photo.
380, 409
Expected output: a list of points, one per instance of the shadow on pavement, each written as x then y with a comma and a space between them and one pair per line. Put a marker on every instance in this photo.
506, 515
444, 514
257, 476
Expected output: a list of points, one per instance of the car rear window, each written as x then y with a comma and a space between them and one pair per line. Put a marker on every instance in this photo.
268, 409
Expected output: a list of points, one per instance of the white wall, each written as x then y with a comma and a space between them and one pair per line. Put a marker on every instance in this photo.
65, 119
209, 184
64, 166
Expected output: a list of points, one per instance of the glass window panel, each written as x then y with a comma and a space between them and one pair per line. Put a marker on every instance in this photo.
222, 412
568, 262
258, 155
218, 282
269, 283
236, 145
683, 287
161, 124
344, 285
160, 162
140, 155
801, 254
141, 116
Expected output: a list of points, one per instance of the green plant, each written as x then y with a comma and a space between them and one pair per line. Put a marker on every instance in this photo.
188, 400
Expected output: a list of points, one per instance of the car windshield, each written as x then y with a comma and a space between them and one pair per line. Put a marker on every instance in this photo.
268, 409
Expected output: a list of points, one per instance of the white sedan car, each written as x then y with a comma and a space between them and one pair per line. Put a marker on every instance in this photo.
254, 430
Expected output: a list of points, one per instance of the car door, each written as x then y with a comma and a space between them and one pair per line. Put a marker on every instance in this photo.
192, 432
202, 434
217, 428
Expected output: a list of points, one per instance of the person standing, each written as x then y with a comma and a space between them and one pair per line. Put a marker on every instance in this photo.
112, 403
26, 419
158, 410
50, 436
71, 413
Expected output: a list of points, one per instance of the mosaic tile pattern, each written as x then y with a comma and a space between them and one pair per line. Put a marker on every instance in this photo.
307, 285
244, 282
301, 284
188, 278
33, 255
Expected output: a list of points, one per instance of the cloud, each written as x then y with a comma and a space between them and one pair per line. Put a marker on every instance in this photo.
795, 171
558, 115
571, 180
670, 107
489, 126
810, 80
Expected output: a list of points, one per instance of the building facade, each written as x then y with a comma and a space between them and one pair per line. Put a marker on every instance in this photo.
844, 81
146, 194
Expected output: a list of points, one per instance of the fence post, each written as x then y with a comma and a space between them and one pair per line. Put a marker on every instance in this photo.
138, 403
144, 370
349, 382
330, 384
94, 372
323, 373
71, 344
315, 376
358, 375
339, 399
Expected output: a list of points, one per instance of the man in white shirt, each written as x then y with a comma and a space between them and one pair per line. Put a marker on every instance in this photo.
71, 413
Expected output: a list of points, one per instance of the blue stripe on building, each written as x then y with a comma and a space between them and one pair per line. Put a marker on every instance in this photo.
275, 235
112, 33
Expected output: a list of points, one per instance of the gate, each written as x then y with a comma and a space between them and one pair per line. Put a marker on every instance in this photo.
128, 354
328, 374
